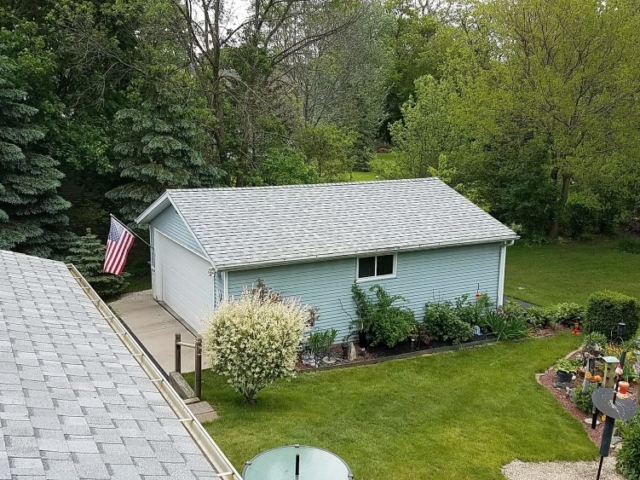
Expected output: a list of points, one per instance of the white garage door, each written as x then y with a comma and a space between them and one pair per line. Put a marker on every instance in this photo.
186, 286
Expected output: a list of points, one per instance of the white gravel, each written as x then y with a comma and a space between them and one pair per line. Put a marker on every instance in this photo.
518, 470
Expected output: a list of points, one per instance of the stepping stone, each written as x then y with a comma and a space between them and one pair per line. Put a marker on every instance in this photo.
203, 411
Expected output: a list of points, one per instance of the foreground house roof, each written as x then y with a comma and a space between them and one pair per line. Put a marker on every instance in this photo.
259, 226
74, 401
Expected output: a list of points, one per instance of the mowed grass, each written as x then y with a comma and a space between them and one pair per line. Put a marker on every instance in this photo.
448, 416
363, 176
570, 272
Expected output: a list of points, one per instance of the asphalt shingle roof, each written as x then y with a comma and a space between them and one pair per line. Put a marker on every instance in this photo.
268, 225
74, 403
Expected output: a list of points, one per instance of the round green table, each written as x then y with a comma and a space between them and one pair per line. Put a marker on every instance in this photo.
312, 464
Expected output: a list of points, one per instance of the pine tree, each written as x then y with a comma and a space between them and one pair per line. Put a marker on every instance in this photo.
31, 218
156, 145
87, 254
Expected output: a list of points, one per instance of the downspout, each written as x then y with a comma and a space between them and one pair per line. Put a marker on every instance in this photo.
501, 274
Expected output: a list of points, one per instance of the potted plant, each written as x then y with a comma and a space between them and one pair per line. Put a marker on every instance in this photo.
565, 370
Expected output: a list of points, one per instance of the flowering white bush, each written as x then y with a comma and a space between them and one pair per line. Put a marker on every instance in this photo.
254, 340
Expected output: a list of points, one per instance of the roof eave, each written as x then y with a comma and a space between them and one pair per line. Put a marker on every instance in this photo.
359, 253
155, 209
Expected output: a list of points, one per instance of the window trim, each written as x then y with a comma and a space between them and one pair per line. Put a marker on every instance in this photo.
376, 277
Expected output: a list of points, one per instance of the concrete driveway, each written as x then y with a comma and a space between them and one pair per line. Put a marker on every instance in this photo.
155, 328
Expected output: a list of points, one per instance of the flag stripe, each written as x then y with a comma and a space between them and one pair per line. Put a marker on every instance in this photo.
119, 243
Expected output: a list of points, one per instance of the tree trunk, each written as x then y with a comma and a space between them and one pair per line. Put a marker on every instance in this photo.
554, 228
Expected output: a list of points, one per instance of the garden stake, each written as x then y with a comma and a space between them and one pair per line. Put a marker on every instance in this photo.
297, 465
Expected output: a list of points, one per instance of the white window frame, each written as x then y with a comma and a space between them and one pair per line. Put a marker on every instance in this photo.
377, 277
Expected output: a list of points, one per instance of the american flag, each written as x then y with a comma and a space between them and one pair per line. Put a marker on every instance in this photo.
119, 243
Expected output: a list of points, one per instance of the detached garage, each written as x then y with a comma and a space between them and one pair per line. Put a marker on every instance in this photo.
417, 238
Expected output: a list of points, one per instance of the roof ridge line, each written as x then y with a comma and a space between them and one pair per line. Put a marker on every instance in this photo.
306, 185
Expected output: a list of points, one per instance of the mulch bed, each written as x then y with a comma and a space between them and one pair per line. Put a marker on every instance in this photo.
547, 380
381, 351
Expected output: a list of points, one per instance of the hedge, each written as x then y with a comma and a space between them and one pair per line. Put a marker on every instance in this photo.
606, 309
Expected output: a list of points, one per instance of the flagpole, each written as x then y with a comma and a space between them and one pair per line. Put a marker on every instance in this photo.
130, 231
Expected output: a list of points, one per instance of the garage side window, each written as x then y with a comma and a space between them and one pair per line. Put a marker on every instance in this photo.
379, 266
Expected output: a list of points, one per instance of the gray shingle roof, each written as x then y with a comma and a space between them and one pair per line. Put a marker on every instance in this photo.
269, 225
74, 403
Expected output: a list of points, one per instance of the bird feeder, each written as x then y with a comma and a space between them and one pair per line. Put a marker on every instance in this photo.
610, 364
622, 329
296, 462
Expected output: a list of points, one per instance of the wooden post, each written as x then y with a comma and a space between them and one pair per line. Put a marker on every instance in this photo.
178, 351
198, 366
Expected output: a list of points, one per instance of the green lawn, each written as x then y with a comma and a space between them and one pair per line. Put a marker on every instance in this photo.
570, 272
137, 284
447, 416
363, 176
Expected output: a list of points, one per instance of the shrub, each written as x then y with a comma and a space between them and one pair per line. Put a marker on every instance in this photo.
567, 313
390, 324
629, 245
508, 322
320, 342
442, 323
539, 317
87, 254
364, 308
385, 322
628, 456
606, 309
595, 338
583, 400
472, 312
562, 313
254, 340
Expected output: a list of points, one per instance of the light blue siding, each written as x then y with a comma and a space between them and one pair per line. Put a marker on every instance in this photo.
170, 224
428, 275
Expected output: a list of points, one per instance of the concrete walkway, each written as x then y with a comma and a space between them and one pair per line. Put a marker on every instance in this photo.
155, 329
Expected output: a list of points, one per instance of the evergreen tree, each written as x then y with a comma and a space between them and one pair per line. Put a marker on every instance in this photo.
31, 218
157, 145
87, 254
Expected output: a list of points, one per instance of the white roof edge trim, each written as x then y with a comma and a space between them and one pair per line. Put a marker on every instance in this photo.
162, 203
152, 210
359, 253
200, 436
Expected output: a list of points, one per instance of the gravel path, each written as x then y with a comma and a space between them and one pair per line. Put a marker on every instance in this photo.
518, 470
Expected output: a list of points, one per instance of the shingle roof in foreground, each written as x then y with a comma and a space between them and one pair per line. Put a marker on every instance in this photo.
74, 403
255, 226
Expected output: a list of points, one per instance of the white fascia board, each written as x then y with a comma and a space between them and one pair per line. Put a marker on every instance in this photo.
155, 209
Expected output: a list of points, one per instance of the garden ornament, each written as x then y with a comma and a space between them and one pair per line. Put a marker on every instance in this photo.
576, 328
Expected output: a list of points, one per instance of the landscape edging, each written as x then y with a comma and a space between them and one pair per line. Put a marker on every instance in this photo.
418, 353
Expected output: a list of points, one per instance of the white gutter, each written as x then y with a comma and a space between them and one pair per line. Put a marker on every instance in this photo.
209, 448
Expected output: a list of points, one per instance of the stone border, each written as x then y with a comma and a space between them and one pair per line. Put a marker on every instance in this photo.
418, 353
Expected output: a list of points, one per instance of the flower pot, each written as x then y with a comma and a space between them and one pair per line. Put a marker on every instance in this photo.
564, 377
362, 339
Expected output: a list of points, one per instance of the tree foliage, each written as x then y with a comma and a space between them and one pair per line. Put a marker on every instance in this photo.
87, 254
157, 143
31, 211
329, 149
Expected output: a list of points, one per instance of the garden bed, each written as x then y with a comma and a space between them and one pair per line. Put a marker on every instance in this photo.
548, 379
381, 353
